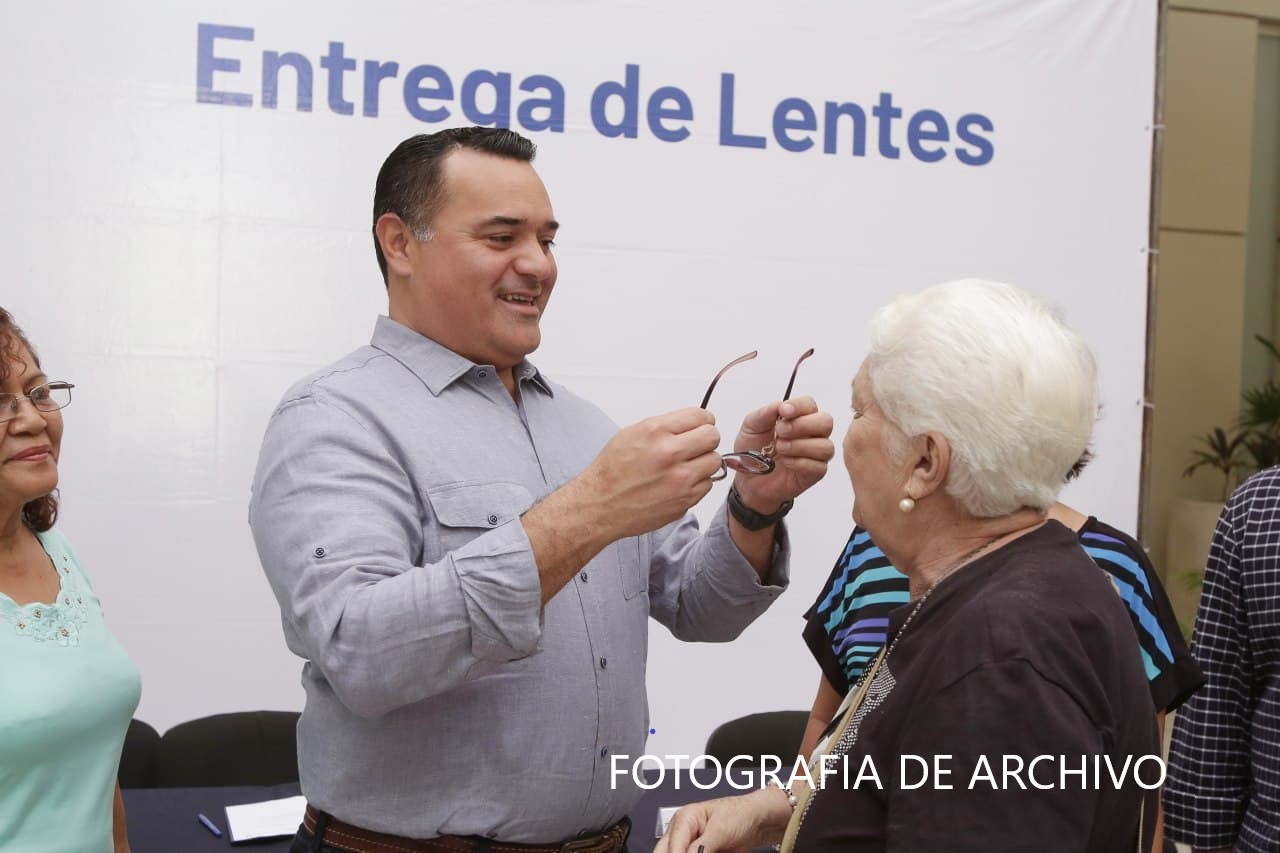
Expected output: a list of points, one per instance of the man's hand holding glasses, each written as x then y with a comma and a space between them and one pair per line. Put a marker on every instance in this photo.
650, 473
781, 449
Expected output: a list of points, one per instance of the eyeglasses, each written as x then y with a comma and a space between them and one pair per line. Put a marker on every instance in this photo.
750, 461
48, 397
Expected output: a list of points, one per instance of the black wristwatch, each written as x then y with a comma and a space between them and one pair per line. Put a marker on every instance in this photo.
751, 519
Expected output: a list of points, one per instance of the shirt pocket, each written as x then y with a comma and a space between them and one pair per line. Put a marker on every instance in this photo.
633, 565
464, 511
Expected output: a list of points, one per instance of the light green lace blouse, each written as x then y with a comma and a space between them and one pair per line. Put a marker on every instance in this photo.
67, 692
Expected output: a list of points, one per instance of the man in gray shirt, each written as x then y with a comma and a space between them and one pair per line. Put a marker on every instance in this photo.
466, 554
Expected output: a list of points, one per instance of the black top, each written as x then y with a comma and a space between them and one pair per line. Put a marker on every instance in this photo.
1024, 652
848, 622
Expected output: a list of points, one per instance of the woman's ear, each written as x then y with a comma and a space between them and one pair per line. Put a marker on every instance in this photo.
931, 460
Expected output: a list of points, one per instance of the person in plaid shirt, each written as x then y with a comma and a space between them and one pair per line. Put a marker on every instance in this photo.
1223, 789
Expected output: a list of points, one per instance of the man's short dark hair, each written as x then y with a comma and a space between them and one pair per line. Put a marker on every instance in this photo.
411, 181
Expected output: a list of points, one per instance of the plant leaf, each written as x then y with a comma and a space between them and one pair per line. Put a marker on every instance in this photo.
1192, 579
1271, 347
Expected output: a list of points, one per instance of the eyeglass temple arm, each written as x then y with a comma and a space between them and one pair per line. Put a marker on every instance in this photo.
794, 371
706, 398
768, 449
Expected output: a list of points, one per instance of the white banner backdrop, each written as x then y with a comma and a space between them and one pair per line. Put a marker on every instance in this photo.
188, 189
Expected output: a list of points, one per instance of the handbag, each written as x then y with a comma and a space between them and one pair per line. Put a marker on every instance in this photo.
845, 714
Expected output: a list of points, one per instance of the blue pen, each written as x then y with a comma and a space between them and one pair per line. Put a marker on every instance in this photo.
209, 825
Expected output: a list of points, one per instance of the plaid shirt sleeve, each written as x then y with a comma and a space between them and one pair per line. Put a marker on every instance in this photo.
1223, 786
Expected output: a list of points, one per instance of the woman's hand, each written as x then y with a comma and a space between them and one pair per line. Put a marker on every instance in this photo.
728, 824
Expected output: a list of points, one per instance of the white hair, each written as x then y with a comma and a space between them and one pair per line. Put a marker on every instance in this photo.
994, 369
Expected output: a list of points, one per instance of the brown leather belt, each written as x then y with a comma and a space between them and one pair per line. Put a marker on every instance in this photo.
345, 836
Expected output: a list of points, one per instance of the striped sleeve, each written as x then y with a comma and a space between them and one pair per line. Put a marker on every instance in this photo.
1172, 672
849, 622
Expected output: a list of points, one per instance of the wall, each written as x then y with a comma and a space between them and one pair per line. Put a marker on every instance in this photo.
1199, 303
185, 260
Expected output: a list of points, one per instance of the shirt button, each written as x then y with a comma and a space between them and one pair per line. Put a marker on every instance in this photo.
583, 576
604, 663
483, 374
319, 552
493, 519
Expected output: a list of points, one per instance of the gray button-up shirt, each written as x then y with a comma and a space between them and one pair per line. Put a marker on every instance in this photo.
442, 698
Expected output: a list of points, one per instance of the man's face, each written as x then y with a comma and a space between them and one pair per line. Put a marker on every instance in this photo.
480, 284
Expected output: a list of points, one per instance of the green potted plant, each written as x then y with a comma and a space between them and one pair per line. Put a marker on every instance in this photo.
1260, 418
1253, 444
1222, 452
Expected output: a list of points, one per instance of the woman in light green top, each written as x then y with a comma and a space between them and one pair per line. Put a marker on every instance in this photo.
67, 688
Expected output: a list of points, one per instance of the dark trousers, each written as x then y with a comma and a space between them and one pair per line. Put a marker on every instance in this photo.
305, 842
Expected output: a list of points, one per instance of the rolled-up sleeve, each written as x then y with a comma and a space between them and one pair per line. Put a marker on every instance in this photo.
339, 530
702, 588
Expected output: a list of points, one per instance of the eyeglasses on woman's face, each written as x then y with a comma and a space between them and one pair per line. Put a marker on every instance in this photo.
750, 461
49, 397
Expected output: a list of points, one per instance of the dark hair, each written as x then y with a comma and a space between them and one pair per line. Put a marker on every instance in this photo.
1078, 468
41, 513
410, 182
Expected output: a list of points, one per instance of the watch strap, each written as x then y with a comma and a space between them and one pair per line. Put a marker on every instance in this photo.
749, 518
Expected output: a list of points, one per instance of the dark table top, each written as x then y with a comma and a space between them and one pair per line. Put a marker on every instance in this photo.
163, 820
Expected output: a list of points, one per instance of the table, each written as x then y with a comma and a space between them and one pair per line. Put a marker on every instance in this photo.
163, 820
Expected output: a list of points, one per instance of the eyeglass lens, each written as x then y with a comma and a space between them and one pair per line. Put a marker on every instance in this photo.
45, 398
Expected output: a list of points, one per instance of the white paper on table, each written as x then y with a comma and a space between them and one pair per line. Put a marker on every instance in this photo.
268, 819
665, 813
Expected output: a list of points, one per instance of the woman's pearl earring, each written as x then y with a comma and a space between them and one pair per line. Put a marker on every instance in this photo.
906, 504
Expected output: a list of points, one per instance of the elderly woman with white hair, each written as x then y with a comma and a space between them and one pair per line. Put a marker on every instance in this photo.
971, 406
